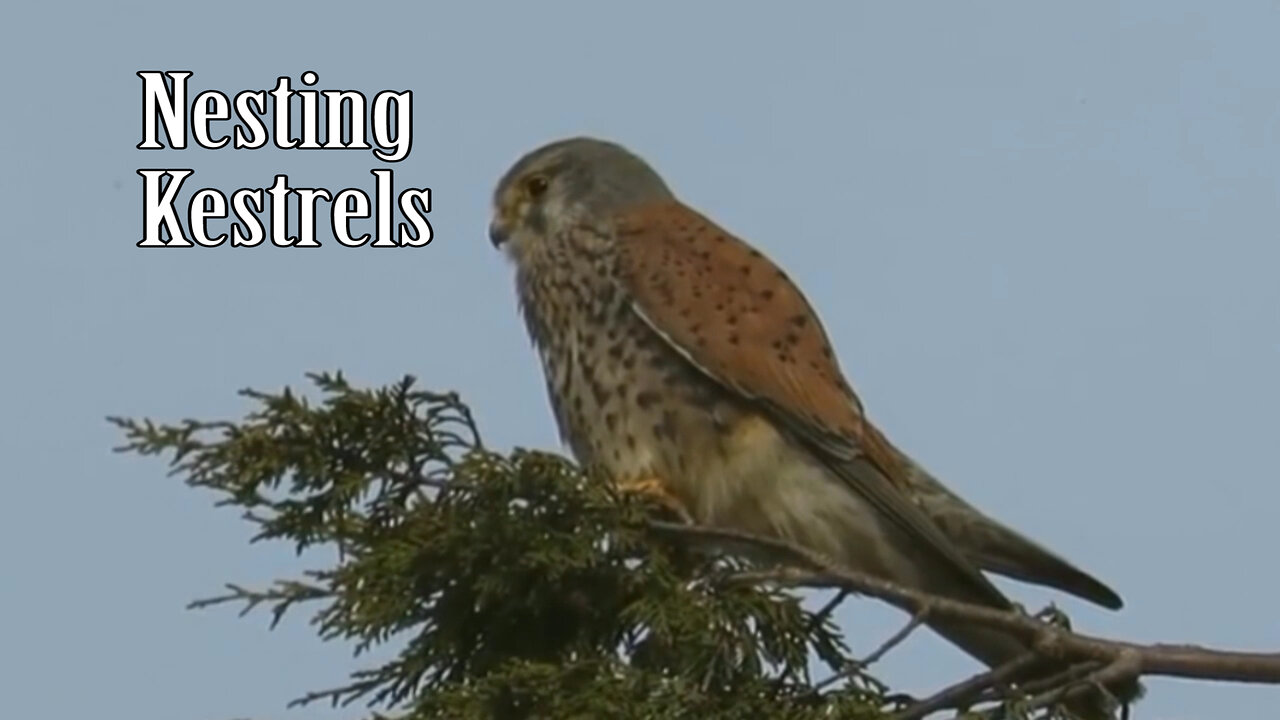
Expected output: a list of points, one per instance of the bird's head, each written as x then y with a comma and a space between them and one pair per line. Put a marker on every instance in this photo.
580, 181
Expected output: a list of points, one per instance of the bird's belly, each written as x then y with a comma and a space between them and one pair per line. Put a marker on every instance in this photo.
761, 482
731, 467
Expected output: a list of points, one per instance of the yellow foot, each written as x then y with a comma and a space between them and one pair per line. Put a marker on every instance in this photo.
653, 490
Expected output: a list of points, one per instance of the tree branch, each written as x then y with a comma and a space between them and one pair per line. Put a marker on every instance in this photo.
1125, 665
857, 666
967, 691
813, 570
896, 639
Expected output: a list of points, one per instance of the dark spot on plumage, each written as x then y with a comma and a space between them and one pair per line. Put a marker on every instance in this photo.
755, 253
826, 352
732, 320
669, 422
617, 350
629, 362
721, 238
658, 431
766, 294
622, 390
646, 398
611, 421
799, 320
792, 338
599, 391
776, 344
631, 441
733, 338
745, 269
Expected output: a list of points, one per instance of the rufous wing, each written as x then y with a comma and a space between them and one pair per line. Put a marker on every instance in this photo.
737, 317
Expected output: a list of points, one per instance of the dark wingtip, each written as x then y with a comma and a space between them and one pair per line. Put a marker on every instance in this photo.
1109, 600
1051, 571
1094, 591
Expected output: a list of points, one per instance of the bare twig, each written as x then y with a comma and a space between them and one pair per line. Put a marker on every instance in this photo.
968, 690
896, 639
1125, 665
1068, 676
821, 616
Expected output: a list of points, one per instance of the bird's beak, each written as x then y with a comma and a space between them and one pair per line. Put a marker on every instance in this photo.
498, 232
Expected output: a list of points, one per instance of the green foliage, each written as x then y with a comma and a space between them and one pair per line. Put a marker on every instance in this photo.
514, 586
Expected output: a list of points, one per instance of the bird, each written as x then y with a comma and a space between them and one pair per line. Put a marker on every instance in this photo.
684, 364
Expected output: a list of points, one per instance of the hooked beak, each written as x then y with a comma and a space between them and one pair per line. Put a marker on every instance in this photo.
498, 233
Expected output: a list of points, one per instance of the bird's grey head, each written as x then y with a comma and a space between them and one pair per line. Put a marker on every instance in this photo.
568, 182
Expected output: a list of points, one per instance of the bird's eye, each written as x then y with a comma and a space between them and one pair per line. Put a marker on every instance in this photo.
536, 185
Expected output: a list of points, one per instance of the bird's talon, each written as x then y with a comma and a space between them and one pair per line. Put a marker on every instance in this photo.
653, 490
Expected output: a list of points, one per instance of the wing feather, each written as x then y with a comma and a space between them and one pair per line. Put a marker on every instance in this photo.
737, 317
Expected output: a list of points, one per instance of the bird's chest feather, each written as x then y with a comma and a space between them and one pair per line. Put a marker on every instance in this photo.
627, 403
624, 400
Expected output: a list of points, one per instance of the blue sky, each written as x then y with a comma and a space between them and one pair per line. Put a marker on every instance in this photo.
1043, 239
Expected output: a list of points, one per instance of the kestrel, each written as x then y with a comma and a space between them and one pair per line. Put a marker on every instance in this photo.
681, 360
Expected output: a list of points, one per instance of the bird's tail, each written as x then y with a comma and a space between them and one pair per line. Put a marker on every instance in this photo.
995, 648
